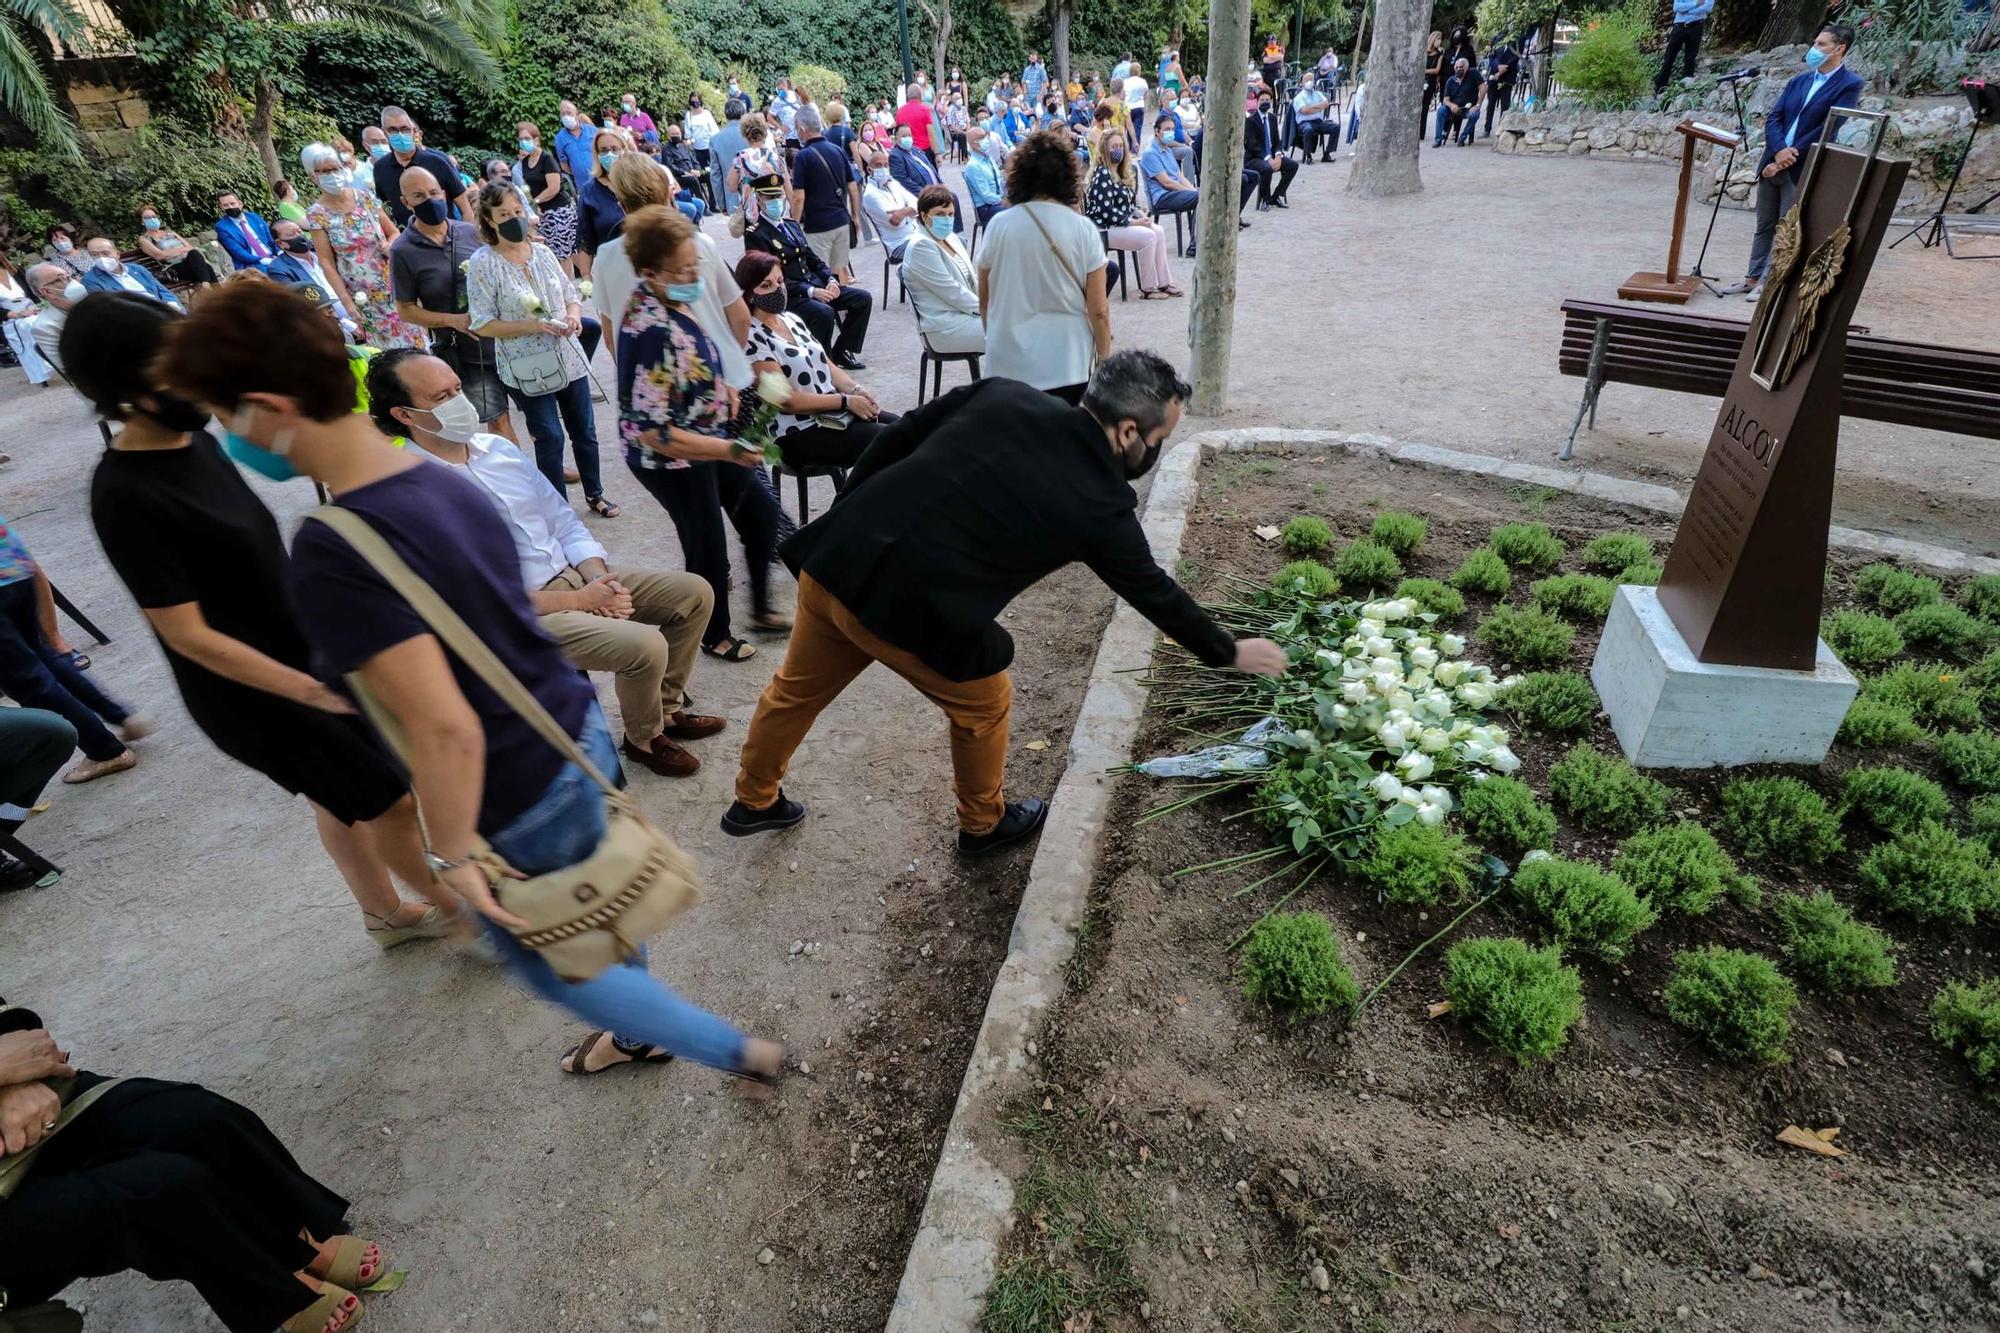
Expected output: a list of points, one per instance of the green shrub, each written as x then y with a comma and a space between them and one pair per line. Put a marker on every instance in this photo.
1582, 906
818, 82
1875, 723
1860, 640
1292, 962
1946, 630
1503, 814
1617, 550
1966, 1019
1484, 572
1556, 702
1306, 536
1644, 574
1895, 590
1400, 532
1681, 868
1604, 65
1972, 758
1936, 695
1522, 999
633, 47
1981, 596
1526, 636
1983, 679
1984, 815
1364, 564
1739, 1003
1419, 864
1932, 874
1826, 943
1780, 819
1526, 545
1893, 800
1307, 578
1574, 596
1439, 599
1605, 793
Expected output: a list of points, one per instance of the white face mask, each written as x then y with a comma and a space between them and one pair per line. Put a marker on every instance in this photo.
74, 291
109, 263
457, 419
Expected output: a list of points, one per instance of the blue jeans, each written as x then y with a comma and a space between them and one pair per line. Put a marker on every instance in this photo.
34, 675
561, 828
547, 416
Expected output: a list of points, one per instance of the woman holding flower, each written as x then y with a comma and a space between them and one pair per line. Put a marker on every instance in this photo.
826, 419
517, 294
675, 415
351, 235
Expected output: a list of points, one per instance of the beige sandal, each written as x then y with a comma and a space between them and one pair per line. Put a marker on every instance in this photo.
433, 924
334, 1303
349, 1252
92, 769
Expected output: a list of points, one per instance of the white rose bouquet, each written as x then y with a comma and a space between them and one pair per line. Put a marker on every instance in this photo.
757, 418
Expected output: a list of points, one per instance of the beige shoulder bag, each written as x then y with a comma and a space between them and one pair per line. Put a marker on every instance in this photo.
582, 918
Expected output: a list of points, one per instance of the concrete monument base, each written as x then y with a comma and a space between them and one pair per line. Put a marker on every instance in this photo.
1673, 711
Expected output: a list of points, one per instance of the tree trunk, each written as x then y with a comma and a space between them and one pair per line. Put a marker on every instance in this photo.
1791, 22
1987, 38
1360, 31
260, 127
1385, 161
1060, 12
940, 40
1545, 63
1214, 299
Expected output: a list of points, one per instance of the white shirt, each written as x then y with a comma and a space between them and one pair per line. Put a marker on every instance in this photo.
1135, 92
48, 334
700, 128
878, 201
612, 280
1037, 330
548, 536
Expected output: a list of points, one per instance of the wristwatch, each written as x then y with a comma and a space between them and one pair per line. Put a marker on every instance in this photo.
439, 865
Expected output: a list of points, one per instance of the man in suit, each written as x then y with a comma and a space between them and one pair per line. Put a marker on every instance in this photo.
108, 273
1264, 154
836, 312
297, 265
246, 236
911, 168
950, 515
1796, 122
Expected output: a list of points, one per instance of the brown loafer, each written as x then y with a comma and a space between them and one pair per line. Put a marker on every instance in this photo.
685, 726
663, 757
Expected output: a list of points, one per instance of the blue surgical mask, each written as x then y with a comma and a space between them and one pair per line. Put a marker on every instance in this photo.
270, 463
941, 226
685, 293
527, 145
606, 159
880, 175
378, 150
1814, 57
774, 209
150, 224
403, 143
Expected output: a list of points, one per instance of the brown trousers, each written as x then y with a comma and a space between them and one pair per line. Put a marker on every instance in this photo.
652, 653
828, 649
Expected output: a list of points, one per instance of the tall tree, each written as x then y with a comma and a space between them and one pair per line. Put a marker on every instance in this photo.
1060, 12
25, 88
1385, 161
940, 17
1214, 305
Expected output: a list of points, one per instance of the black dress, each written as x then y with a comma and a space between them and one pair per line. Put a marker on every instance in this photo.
181, 525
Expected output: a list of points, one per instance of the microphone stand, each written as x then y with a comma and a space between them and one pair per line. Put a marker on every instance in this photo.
1722, 184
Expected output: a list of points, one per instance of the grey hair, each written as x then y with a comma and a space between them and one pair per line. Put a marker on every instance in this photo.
389, 111
1136, 386
808, 120
55, 270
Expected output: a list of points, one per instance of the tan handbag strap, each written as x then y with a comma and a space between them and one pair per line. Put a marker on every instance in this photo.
1052, 245
456, 635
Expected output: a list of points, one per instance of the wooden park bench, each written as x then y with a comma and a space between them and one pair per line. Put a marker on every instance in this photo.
1887, 379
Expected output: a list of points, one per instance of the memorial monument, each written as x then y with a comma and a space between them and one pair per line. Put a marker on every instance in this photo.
1722, 664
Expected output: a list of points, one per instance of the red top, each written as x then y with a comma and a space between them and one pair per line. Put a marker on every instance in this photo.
916, 118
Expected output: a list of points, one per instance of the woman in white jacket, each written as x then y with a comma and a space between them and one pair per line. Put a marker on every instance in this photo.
938, 273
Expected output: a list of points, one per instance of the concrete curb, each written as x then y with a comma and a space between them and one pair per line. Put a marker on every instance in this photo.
955, 1253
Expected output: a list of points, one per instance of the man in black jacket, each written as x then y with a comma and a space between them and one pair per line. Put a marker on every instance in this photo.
835, 311
1264, 153
950, 515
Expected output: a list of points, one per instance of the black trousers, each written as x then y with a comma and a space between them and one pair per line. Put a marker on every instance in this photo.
180, 1184
34, 675
1684, 40
190, 267
985, 212
842, 324
696, 498
819, 446
33, 745
1499, 97
1284, 171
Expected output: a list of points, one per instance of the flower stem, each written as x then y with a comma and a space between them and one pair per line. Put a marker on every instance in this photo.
1419, 949
1228, 861
1316, 867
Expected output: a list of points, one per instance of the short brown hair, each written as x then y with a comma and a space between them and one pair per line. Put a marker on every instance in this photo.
491, 195
257, 337
753, 268
638, 182
653, 233
936, 196
529, 126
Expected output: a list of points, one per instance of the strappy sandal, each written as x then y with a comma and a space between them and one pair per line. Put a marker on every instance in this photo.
603, 508
315, 1318
1156, 294
435, 923
1172, 290
349, 1252
573, 1061
730, 650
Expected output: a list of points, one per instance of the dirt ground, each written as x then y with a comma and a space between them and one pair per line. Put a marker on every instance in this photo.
200, 933
1196, 1159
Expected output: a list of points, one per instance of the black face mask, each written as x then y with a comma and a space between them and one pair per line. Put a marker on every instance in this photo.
298, 245
431, 212
235, 212
771, 303
514, 229
174, 413
1134, 471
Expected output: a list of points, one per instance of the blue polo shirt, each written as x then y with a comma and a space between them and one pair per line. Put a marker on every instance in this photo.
1156, 159
574, 152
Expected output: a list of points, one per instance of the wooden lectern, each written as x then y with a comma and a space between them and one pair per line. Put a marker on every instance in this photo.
1673, 286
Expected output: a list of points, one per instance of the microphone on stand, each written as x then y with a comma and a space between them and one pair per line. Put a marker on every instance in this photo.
1749, 72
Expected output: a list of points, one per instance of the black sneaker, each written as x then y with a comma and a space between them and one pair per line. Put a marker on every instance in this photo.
1022, 818
740, 821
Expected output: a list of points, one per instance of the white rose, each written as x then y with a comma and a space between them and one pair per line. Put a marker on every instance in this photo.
1401, 609
1392, 737
1424, 657
1385, 682
1510, 682
1415, 766
774, 388
1354, 692
1377, 646
1536, 855
1368, 627
1450, 673
1437, 796
1475, 694
1409, 796
1377, 611
1503, 760
1353, 644
1353, 669
1386, 786
1430, 813
1451, 645
1433, 741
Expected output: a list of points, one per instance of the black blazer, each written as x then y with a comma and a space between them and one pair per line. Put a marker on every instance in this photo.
803, 268
1256, 143
963, 504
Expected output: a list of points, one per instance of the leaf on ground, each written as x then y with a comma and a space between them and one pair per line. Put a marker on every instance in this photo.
1036, 745
1267, 532
1510, 1232
1439, 1009
1812, 1140
1048, 1103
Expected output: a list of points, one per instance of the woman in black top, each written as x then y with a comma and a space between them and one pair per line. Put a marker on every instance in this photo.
202, 557
554, 199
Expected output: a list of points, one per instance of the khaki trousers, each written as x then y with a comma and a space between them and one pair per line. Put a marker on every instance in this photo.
828, 649
652, 654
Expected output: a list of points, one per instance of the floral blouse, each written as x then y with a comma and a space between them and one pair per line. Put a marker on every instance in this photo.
499, 289
1109, 200
667, 376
